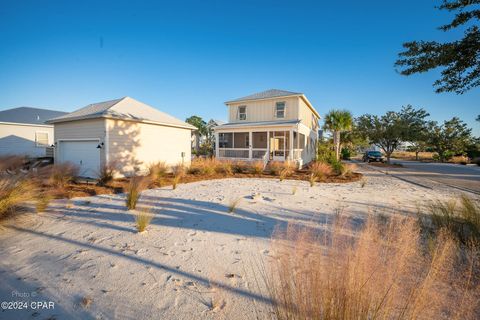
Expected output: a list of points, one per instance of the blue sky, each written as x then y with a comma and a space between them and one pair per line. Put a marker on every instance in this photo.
189, 57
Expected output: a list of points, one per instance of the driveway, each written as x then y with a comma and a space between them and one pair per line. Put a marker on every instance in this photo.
466, 178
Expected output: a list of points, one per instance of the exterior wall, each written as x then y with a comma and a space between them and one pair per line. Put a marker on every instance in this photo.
134, 145
19, 139
306, 115
264, 110
82, 129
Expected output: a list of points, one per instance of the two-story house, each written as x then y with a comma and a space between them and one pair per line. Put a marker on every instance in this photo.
271, 125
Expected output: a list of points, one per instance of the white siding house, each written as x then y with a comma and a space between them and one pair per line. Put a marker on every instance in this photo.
273, 125
124, 131
23, 131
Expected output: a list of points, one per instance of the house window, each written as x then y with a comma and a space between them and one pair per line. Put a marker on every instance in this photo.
242, 113
280, 110
41, 139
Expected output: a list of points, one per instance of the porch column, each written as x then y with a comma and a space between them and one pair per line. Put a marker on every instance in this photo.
268, 145
217, 145
290, 154
250, 144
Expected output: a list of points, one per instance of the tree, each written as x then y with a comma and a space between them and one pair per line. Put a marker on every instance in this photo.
478, 118
460, 59
453, 137
337, 121
392, 128
201, 126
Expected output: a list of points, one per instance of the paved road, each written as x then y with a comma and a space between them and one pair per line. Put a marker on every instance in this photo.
461, 177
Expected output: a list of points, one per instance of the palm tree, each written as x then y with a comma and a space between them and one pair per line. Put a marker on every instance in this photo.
337, 121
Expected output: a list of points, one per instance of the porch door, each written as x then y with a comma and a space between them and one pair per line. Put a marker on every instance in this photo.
277, 146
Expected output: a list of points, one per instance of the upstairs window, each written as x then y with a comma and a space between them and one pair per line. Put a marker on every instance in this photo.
280, 110
242, 113
41, 139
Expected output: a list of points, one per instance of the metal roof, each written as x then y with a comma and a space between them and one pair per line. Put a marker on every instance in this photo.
272, 93
124, 109
27, 115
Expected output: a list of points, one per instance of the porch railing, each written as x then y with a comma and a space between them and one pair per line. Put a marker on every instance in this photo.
234, 153
258, 153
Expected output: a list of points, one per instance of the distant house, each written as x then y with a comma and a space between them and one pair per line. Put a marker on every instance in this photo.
270, 125
23, 131
124, 131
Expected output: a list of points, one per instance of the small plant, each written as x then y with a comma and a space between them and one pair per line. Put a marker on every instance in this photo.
63, 173
363, 182
233, 204
239, 167
134, 189
15, 191
257, 167
312, 179
275, 167
86, 302
460, 217
158, 171
347, 169
288, 168
225, 167
143, 218
320, 170
294, 190
337, 166
107, 173
43, 201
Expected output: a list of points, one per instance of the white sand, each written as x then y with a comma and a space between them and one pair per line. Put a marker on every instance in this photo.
195, 261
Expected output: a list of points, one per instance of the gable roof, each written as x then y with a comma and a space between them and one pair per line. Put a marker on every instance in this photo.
275, 93
27, 115
272, 93
125, 108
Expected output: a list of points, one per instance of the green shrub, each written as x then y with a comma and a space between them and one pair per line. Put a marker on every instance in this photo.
325, 152
337, 166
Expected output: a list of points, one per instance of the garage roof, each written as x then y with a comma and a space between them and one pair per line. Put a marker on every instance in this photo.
124, 109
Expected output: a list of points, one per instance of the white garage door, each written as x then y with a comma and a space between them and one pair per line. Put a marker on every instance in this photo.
84, 154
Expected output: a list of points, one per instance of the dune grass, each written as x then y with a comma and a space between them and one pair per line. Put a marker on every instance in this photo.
321, 170
63, 173
143, 217
107, 173
460, 216
312, 178
287, 169
382, 271
233, 204
134, 189
14, 192
257, 167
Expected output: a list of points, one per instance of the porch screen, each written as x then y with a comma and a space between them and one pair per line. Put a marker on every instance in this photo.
225, 140
259, 140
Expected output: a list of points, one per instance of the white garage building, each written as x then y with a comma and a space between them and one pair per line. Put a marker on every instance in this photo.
124, 131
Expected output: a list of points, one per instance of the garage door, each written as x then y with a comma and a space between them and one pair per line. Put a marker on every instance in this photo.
85, 154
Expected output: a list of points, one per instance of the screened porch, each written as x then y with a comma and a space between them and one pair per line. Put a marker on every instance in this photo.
261, 145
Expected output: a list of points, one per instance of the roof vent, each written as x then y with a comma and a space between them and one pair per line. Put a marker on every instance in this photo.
38, 117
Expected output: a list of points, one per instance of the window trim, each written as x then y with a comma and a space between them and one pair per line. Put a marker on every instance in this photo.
284, 110
239, 113
37, 144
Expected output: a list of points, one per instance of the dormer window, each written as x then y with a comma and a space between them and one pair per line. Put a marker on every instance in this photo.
280, 110
242, 113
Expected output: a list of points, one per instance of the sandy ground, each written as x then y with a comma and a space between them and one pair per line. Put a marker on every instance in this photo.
196, 261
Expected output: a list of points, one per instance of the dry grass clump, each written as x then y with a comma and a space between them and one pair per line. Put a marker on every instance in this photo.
240, 167
134, 189
288, 168
143, 217
11, 163
178, 172
203, 166
43, 200
312, 178
14, 192
381, 272
461, 217
157, 171
232, 205
63, 173
257, 167
274, 167
347, 169
225, 167
320, 170
107, 173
